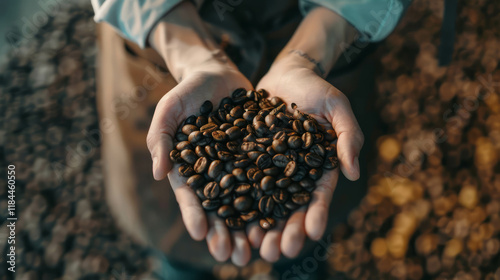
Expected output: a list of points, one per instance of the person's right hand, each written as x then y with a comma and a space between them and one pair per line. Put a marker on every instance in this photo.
212, 81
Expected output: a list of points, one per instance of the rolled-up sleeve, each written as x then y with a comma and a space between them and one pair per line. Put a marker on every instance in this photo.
134, 19
374, 19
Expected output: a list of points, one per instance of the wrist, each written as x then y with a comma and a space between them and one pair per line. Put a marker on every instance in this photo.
185, 44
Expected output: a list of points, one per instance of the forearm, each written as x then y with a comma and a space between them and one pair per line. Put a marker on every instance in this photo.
318, 41
184, 42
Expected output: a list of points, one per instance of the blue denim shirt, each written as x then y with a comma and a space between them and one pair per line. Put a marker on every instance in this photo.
134, 19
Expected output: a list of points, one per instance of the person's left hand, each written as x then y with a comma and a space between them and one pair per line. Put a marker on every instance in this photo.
293, 82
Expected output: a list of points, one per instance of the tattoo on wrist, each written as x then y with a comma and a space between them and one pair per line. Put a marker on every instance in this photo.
316, 63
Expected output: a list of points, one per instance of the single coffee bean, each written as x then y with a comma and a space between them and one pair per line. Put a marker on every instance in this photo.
283, 182
240, 174
234, 133
300, 174
227, 181
242, 188
225, 101
195, 136
190, 120
330, 135
310, 126
211, 152
280, 211
251, 94
186, 171
206, 107
210, 205
331, 163
249, 115
280, 160
248, 146
318, 149
250, 216
239, 96
315, 174
215, 169
280, 196
196, 181
275, 101
183, 146
219, 136
201, 121
235, 223
313, 160
266, 205
267, 223
225, 156
179, 136
281, 135
272, 171
260, 128
209, 127
225, 126
270, 120
295, 142
241, 123
294, 187
283, 117
233, 146
253, 155
267, 183
243, 203
255, 174
229, 166
264, 161
220, 114
251, 105
291, 168
175, 156
291, 205
298, 127
226, 211
201, 165
188, 128
301, 198
237, 112
265, 104
279, 146
189, 156
211, 190
307, 140
307, 184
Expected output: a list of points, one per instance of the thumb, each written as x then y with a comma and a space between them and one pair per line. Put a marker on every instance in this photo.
350, 138
162, 132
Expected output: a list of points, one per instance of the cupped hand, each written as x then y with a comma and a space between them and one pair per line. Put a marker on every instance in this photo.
315, 96
213, 82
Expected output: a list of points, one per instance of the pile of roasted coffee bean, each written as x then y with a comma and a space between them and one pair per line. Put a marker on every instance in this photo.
250, 159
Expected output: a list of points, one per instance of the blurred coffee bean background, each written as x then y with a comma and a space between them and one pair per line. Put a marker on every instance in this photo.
432, 208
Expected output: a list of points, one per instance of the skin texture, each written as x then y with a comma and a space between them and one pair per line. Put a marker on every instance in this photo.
204, 72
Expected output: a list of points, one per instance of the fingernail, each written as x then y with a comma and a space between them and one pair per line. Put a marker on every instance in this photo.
155, 167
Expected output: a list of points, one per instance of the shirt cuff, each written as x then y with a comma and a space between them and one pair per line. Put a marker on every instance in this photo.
134, 19
374, 19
